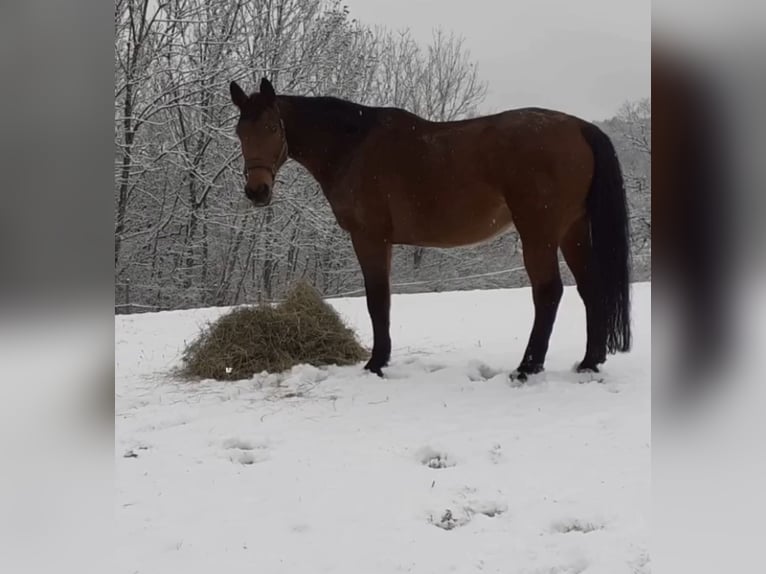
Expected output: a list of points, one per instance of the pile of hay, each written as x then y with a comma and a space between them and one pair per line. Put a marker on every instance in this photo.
303, 329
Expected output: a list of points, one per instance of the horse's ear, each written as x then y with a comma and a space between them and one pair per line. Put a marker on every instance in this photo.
267, 90
238, 97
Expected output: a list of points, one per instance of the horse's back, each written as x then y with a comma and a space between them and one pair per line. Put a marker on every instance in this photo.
455, 183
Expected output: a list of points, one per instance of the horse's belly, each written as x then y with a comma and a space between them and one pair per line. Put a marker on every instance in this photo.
453, 228
468, 237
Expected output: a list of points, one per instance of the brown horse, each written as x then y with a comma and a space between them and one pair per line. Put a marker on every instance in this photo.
392, 177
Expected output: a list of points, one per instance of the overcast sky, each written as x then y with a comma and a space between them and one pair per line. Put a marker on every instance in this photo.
584, 57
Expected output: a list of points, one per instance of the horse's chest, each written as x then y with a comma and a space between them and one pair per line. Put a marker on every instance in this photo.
350, 208
344, 215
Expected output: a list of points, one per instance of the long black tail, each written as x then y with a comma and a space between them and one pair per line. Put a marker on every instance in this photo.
610, 236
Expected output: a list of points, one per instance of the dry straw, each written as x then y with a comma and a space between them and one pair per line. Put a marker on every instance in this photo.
304, 329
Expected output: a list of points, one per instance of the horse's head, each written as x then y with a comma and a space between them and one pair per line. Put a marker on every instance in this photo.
262, 136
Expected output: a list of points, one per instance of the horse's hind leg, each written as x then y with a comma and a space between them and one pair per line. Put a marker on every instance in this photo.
541, 262
576, 247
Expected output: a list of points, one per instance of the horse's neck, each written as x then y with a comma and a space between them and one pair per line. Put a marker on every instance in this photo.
320, 137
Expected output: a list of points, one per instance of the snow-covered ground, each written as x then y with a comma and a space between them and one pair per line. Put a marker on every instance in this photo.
444, 466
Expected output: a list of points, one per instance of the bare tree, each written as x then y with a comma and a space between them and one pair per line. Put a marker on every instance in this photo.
450, 85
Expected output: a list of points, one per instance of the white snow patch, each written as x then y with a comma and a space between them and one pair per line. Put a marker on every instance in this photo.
335, 470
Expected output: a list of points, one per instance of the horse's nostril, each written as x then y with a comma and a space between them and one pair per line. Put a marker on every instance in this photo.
262, 190
259, 194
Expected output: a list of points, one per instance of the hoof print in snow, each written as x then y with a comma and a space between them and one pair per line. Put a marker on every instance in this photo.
496, 453
422, 363
246, 458
244, 451
586, 378
576, 567
574, 525
448, 521
240, 444
641, 564
131, 452
439, 461
489, 509
433, 459
481, 372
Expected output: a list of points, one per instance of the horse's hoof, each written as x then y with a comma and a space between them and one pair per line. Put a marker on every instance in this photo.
587, 368
377, 369
522, 373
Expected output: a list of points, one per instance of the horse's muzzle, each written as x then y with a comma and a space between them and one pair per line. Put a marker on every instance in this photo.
260, 196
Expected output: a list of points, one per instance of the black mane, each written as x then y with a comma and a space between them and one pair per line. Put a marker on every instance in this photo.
350, 118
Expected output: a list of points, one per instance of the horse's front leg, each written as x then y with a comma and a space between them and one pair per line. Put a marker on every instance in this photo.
374, 255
